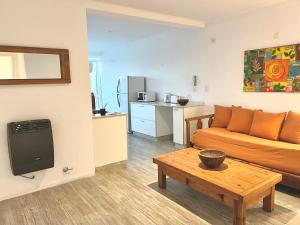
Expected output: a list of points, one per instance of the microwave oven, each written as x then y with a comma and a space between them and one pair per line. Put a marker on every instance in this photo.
146, 96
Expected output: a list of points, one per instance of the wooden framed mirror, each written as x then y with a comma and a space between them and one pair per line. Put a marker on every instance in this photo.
30, 65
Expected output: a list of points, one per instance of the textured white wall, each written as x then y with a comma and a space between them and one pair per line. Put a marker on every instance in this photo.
53, 24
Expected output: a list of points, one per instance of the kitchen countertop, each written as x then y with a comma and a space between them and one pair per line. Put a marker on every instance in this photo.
190, 104
109, 115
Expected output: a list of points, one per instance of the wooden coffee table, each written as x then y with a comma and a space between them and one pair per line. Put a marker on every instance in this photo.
234, 183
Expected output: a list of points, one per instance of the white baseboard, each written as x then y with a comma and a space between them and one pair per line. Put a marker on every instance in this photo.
81, 176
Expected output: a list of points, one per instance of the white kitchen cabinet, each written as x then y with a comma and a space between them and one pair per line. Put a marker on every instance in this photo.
143, 111
178, 125
108, 129
151, 120
162, 119
143, 126
179, 116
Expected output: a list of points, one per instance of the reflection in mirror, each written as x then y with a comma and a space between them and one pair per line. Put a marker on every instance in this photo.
15, 65
34, 65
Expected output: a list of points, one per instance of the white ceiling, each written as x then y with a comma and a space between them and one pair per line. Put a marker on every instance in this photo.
108, 32
207, 10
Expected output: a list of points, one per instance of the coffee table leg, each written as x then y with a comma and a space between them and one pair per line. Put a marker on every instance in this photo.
161, 178
239, 213
268, 201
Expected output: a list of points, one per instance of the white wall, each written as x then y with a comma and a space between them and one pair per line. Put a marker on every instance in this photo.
53, 24
223, 63
169, 60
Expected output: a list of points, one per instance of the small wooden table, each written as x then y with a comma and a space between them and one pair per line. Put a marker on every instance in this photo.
234, 183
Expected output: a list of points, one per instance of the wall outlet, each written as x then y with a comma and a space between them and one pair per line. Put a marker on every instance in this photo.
276, 35
206, 89
67, 170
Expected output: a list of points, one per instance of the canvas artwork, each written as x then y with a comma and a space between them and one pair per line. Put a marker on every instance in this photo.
274, 69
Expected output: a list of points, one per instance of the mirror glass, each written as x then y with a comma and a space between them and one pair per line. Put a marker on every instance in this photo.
18, 65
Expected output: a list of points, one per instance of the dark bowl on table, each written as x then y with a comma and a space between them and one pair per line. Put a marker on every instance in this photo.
183, 101
212, 158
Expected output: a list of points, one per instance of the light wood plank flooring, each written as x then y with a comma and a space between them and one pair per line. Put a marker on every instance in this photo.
127, 193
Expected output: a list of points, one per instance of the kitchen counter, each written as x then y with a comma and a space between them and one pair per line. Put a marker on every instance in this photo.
109, 115
190, 104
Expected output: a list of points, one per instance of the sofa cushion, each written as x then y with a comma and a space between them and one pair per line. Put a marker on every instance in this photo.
241, 120
267, 125
222, 116
278, 155
291, 128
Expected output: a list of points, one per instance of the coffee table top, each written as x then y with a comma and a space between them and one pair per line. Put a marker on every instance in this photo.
238, 178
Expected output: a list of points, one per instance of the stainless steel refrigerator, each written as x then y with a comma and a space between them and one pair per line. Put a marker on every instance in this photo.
127, 88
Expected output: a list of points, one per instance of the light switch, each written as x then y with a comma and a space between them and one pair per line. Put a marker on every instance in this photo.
195, 81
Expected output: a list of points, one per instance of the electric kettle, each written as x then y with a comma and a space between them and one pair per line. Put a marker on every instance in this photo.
167, 97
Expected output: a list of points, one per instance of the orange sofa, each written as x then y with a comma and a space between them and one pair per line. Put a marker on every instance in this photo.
277, 156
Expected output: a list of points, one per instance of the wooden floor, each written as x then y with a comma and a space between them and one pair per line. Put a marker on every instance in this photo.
127, 193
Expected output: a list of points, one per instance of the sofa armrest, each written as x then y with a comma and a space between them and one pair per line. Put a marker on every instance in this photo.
199, 126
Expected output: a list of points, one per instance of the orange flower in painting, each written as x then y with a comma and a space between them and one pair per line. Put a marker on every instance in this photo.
276, 70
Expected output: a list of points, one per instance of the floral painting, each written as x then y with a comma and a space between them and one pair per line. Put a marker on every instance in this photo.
272, 69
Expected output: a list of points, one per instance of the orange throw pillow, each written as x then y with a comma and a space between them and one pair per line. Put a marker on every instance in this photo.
241, 120
222, 116
291, 129
267, 125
